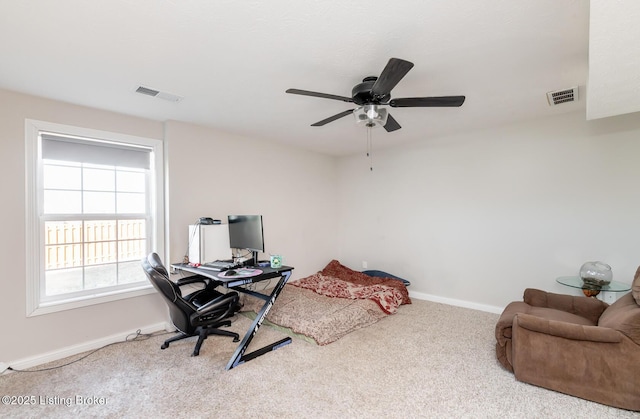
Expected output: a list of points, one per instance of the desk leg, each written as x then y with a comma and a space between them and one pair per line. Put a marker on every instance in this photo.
239, 356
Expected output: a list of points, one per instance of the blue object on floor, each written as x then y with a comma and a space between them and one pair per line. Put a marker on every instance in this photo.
382, 274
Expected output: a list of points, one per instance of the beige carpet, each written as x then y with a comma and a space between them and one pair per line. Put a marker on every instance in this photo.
429, 360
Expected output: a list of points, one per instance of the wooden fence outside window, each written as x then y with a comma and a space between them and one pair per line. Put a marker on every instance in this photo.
70, 244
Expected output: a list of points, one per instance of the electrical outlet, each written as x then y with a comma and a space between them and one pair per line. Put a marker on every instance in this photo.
364, 264
3, 367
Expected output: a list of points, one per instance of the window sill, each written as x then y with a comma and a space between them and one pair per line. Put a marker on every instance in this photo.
89, 300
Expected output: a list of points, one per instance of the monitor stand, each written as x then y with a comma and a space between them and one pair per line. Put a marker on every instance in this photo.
253, 261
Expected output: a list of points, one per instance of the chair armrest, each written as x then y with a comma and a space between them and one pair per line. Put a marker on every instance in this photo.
192, 280
224, 305
504, 325
199, 279
217, 302
566, 330
590, 308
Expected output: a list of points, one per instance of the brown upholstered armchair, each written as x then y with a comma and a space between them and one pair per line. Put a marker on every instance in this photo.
575, 345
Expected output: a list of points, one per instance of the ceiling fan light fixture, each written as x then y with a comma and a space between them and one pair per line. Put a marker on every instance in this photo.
375, 92
371, 115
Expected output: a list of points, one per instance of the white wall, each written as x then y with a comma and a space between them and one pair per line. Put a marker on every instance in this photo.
481, 216
211, 174
214, 174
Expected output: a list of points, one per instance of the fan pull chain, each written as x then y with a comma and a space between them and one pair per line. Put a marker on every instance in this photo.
369, 149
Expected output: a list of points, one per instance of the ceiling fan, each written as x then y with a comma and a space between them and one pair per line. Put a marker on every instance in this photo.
375, 92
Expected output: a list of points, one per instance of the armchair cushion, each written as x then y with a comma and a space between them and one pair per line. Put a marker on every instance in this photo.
568, 330
567, 308
624, 316
589, 308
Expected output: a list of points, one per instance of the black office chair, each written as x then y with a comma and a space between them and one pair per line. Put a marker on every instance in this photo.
199, 313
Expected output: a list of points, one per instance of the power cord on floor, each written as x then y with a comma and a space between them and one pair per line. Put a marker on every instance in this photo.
137, 336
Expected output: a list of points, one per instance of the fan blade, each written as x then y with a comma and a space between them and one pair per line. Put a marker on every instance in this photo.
332, 118
391, 124
416, 102
316, 94
395, 70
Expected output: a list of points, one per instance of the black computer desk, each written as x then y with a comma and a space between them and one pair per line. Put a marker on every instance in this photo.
284, 272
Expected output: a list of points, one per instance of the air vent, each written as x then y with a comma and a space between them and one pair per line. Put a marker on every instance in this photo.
562, 96
147, 91
160, 95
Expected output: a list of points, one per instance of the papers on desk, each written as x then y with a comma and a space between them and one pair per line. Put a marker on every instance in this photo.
240, 273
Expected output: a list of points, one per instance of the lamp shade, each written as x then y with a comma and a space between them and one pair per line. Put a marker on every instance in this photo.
371, 115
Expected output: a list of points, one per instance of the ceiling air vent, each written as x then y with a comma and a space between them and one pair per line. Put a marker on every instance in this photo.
147, 91
156, 93
562, 96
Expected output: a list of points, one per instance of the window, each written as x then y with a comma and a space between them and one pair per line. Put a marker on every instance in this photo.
94, 207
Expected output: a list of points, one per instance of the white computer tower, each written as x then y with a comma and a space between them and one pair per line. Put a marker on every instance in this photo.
208, 243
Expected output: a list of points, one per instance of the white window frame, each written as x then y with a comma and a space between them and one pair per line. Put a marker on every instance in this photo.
36, 304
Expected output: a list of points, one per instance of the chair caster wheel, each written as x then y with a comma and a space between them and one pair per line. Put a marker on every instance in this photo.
164, 346
236, 339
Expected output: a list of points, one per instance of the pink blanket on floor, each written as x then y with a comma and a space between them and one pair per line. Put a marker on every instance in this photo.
387, 298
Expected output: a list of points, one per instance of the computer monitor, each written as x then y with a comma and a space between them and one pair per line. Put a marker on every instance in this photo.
245, 232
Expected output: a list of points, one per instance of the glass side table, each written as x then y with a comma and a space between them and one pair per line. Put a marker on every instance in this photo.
592, 290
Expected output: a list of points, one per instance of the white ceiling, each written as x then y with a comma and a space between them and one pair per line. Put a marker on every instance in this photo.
233, 60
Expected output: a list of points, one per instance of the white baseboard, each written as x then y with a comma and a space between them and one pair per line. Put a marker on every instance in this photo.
20, 364
457, 303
